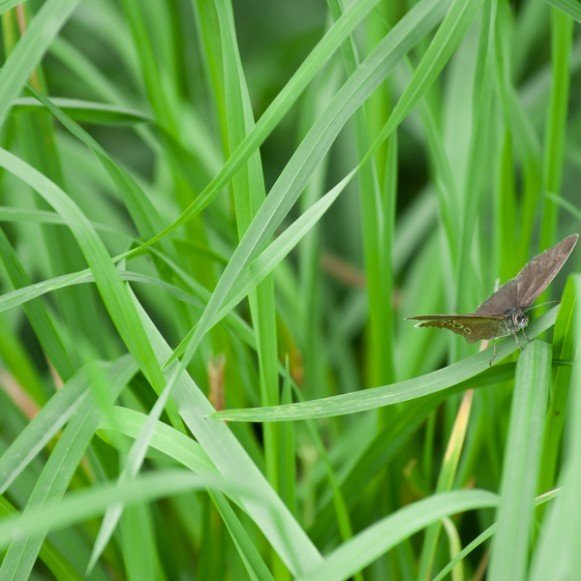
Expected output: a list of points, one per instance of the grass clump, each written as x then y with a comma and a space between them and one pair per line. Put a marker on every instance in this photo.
213, 222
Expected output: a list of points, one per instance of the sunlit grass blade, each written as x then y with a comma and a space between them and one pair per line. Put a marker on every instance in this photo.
113, 292
55, 562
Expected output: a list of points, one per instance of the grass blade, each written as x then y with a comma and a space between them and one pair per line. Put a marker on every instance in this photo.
509, 555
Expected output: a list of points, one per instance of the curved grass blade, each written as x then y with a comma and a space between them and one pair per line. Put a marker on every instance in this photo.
56, 563
12, 214
111, 288
389, 441
389, 394
484, 536
190, 454
87, 111
198, 298
82, 505
278, 525
365, 547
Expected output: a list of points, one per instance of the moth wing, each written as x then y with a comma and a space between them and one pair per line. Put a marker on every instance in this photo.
504, 299
538, 273
472, 327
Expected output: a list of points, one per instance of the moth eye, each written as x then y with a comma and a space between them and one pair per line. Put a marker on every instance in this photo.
467, 330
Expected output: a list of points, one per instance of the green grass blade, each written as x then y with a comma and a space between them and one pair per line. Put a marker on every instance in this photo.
248, 190
59, 410
273, 255
113, 292
416, 24
569, 7
39, 317
279, 107
81, 505
558, 546
484, 536
56, 563
188, 452
446, 479
233, 462
297, 172
30, 50
509, 555
563, 348
87, 111
390, 394
59, 470
142, 210
368, 545
556, 125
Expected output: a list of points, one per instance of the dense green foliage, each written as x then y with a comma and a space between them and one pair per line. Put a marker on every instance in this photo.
212, 206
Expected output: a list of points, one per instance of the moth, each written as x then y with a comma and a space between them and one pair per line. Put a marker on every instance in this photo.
504, 313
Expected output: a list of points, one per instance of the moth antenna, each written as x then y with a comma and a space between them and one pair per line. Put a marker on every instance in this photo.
542, 305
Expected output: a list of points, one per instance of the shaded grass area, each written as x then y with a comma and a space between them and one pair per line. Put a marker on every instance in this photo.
213, 221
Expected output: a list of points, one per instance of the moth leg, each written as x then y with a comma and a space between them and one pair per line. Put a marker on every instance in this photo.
517, 341
493, 353
526, 336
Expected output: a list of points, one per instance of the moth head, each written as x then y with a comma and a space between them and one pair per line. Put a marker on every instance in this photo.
519, 320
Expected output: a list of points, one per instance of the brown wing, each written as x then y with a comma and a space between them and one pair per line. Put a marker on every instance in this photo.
504, 299
472, 327
534, 278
